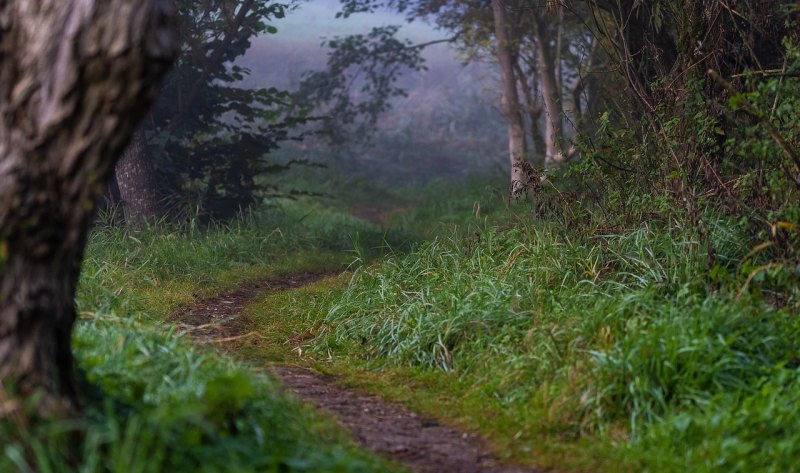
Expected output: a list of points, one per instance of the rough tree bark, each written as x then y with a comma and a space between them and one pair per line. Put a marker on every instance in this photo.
138, 185
76, 77
512, 111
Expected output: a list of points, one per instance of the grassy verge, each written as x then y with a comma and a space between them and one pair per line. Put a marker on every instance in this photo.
591, 350
290, 321
153, 401
569, 345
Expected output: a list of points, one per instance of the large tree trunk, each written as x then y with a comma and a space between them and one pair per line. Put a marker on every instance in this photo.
138, 185
512, 112
76, 76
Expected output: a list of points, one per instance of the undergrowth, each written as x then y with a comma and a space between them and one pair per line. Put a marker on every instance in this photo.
572, 343
594, 332
155, 403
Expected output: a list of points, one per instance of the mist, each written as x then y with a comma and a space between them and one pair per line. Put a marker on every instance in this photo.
447, 127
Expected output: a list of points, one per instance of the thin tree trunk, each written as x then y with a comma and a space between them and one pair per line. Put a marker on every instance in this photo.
554, 129
584, 86
532, 106
76, 76
510, 103
559, 65
138, 185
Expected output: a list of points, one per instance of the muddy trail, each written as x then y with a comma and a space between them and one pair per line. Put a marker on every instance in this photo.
388, 429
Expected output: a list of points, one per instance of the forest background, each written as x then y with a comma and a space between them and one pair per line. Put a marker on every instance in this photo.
624, 297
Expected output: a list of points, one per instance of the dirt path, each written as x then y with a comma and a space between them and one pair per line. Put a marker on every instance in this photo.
216, 319
388, 429
374, 215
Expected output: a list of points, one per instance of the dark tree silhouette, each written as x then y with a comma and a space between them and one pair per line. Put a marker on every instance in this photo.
209, 135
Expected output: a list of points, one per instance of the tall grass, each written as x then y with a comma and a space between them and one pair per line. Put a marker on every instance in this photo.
155, 403
596, 330
170, 264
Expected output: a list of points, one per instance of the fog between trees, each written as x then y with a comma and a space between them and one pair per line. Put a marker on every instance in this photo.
622, 111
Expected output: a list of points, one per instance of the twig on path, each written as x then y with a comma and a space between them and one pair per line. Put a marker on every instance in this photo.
237, 337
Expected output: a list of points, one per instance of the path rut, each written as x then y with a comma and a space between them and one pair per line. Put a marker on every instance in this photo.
389, 429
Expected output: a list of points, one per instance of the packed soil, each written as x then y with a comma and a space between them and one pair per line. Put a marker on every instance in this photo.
389, 429
217, 319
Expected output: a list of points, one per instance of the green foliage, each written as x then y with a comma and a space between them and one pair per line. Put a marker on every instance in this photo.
157, 404
736, 180
171, 255
209, 135
764, 146
735, 432
359, 83
679, 353
714, 128
591, 329
442, 206
153, 401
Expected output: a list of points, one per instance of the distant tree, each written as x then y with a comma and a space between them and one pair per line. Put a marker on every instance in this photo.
538, 52
360, 81
548, 54
512, 108
76, 77
207, 138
